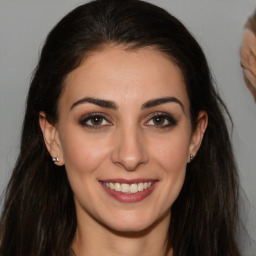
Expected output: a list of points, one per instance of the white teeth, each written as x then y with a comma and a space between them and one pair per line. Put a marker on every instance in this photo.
125, 188
133, 188
128, 188
117, 187
140, 187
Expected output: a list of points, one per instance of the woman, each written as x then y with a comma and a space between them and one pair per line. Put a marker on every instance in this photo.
124, 149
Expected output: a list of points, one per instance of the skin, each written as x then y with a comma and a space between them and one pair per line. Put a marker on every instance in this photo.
248, 60
130, 143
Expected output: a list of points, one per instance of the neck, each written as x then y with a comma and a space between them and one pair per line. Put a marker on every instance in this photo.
95, 239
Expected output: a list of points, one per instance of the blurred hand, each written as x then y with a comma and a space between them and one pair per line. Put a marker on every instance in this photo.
248, 60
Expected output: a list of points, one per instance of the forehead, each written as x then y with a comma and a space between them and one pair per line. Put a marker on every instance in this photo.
116, 73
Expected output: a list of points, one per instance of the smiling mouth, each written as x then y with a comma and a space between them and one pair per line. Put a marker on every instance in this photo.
129, 191
128, 188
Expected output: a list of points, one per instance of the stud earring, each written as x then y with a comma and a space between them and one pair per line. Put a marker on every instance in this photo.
191, 157
55, 159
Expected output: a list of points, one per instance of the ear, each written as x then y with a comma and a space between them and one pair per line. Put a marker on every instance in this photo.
51, 138
198, 134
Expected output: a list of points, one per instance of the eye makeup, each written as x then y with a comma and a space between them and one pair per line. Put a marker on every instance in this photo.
157, 120
95, 121
161, 120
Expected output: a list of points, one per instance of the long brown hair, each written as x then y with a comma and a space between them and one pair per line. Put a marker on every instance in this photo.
39, 214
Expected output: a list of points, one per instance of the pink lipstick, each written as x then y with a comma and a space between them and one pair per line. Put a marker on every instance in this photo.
129, 191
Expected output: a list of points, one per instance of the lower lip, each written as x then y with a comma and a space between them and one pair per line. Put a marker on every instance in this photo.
130, 198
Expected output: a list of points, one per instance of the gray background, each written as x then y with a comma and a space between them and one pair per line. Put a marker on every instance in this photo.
217, 25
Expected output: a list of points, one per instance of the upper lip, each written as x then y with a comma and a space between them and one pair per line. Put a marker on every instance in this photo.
127, 181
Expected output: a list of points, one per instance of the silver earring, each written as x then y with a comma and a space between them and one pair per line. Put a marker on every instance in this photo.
55, 159
191, 157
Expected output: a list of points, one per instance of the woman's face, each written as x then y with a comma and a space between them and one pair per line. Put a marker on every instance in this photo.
125, 137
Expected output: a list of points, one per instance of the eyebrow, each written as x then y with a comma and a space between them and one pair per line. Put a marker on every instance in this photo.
159, 101
99, 102
112, 105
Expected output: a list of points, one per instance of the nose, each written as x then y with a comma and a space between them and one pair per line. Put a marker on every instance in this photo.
129, 149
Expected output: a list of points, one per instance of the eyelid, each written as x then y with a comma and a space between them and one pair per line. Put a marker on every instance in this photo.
172, 121
87, 117
168, 117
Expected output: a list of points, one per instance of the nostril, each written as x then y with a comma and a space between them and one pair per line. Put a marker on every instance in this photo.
129, 149
129, 165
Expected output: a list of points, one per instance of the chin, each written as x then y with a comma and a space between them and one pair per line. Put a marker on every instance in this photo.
131, 223
130, 230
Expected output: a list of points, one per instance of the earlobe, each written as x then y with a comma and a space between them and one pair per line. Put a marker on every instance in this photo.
198, 134
51, 139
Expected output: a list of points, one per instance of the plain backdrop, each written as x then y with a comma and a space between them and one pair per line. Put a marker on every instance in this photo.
217, 25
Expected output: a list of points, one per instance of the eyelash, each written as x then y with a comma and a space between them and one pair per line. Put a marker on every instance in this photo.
90, 117
171, 121
166, 118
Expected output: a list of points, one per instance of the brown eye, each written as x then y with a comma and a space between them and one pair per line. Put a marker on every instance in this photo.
95, 121
161, 120
158, 120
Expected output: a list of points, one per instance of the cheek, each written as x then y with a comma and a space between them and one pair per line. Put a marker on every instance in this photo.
172, 152
83, 154
170, 156
173, 160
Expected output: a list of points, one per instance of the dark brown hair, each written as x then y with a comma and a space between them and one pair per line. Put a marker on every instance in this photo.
39, 214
